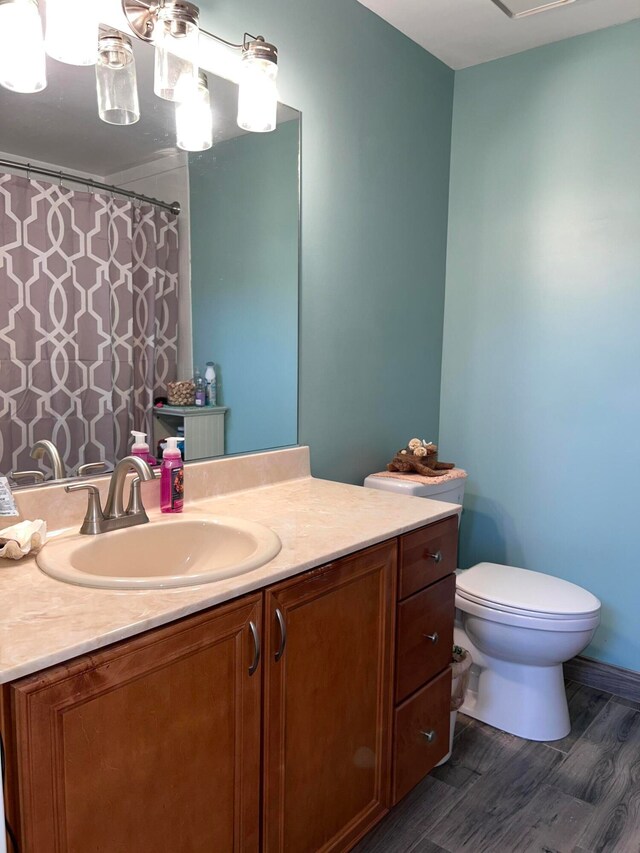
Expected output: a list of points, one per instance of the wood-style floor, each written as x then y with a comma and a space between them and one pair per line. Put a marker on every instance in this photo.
501, 794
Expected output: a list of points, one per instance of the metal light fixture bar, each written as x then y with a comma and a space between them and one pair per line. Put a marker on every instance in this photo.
142, 16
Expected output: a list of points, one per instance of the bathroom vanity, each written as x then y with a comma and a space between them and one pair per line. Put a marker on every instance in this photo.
283, 710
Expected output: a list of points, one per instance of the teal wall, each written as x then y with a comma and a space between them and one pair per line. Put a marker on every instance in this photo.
541, 365
376, 134
244, 282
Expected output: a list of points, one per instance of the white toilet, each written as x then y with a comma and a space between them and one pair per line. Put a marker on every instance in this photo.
520, 626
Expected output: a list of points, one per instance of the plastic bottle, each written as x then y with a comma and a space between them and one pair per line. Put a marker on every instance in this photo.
172, 478
210, 382
140, 447
200, 389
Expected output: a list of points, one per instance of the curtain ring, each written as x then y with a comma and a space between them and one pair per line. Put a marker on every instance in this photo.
28, 171
60, 175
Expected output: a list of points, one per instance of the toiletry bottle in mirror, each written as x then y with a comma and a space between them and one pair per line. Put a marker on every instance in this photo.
172, 478
140, 447
210, 382
200, 389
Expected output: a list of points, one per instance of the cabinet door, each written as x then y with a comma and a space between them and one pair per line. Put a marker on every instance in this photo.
328, 699
150, 746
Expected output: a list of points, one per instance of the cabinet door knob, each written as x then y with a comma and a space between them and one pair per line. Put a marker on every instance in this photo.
429, 736
283, 634
437, 557
433, 637
256, 647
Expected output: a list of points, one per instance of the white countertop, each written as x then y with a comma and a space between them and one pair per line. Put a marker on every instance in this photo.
44, 621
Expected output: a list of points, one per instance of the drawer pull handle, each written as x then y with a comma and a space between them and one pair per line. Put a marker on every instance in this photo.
437, 557
433, 637
283, 634
429, 736
256, 647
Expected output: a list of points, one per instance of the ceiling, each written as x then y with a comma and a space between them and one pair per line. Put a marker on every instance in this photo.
468, 32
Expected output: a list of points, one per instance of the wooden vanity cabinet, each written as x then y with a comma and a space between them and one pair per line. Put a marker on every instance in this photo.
425, 616
178, 741
151, 745
328, 703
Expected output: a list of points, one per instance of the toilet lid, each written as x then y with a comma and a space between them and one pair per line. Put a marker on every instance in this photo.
521, 590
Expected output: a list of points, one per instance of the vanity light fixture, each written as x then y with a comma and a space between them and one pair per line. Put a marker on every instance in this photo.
176, 36
194, 119
116, 84
173, 27
22, 58
258, 93
71, 31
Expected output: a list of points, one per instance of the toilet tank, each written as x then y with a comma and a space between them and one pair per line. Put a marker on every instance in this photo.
450, 491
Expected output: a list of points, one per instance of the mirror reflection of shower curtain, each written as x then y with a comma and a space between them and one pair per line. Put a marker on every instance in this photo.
88, 319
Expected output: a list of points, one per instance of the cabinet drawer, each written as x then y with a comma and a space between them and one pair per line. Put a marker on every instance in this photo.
427, 555
421, 734
425, 636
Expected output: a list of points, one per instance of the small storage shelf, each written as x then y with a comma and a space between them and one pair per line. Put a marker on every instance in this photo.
203, 429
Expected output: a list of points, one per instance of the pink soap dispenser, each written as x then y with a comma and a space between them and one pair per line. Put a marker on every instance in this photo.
172, 478
140, 447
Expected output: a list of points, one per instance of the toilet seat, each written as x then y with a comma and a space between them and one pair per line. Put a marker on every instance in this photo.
525, 593
524, 598
534, 621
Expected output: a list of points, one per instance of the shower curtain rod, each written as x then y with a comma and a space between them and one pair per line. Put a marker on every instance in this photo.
173, 207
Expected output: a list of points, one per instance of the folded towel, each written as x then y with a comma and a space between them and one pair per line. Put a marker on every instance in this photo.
453, 474
23, 538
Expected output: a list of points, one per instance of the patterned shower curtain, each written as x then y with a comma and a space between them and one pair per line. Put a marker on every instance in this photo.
88, 320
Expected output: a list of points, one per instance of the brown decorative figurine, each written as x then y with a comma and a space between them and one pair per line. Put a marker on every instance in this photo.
419, 457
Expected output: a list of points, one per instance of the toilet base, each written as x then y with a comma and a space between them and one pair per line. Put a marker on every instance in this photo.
527, 701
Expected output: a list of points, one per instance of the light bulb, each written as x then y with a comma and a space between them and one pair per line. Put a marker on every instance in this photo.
22, 58
258, 92
116, 83
176, 38
72, 31
194, 120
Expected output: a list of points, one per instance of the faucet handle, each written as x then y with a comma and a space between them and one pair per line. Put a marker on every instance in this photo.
36, 476
85, 469
135, 505
94, 516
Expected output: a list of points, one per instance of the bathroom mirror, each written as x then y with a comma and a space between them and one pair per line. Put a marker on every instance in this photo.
104, 298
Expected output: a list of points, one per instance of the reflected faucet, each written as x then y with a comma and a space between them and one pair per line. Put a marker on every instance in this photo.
44, 446
19, 476
115, 517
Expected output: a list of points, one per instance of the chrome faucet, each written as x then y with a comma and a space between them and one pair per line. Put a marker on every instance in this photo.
44, 446
115, 517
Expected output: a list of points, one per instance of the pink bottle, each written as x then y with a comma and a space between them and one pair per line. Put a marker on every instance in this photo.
140, 447
172, 478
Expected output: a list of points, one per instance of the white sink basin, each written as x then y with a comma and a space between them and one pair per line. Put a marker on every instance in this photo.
179, 551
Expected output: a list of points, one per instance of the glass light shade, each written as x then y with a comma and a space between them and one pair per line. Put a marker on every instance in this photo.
23, 65
194, 120
258, 94
116, 83
72, 31
176, 62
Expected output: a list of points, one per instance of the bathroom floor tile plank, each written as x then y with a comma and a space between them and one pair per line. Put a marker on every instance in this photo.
585, 703
408, 825
603, 763
461, 724
550, 822
614, 827
495, 801
478, 749
628, 703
